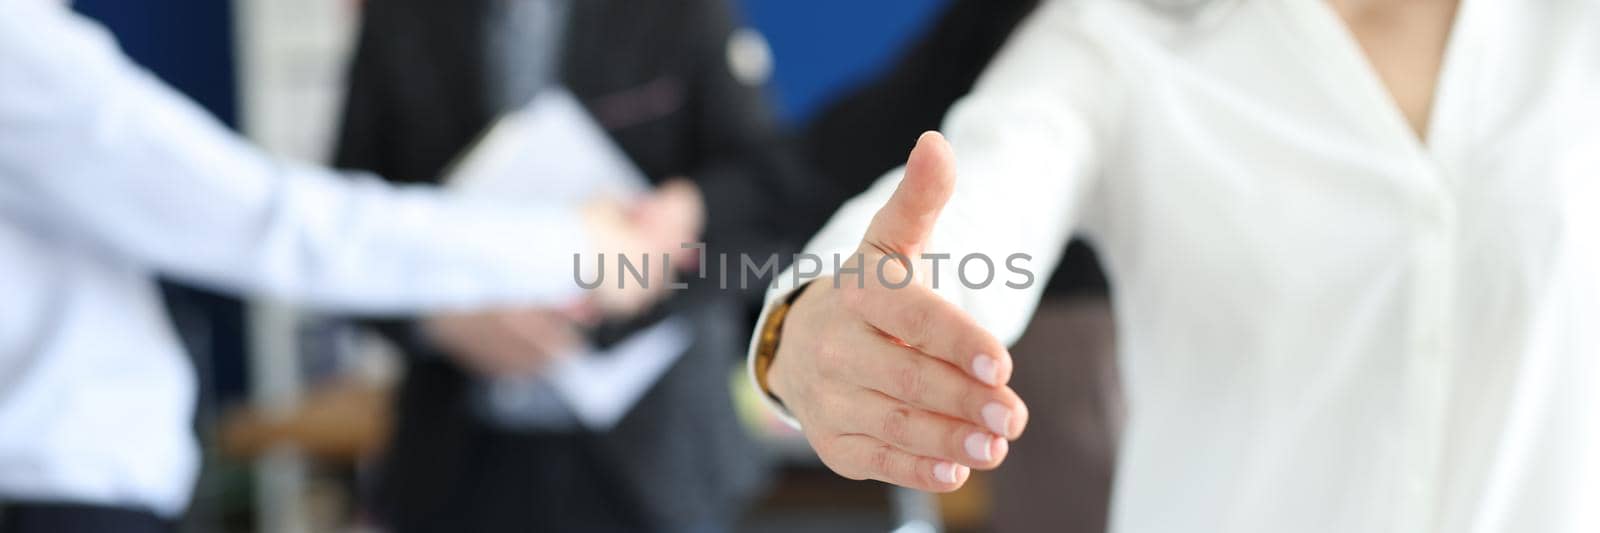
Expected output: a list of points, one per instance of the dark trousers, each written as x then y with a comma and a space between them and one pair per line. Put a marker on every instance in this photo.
76, 518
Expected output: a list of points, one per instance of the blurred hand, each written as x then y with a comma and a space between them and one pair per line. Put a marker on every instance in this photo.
655, 226
675, 215
897, 384
505, 342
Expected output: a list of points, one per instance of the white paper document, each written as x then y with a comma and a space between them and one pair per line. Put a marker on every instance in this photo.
552, 152
602, 386
549, 152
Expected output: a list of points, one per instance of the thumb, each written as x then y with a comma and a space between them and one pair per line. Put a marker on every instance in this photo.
904, 223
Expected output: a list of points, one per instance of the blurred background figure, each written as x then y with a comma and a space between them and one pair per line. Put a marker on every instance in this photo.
113, 177
479, 443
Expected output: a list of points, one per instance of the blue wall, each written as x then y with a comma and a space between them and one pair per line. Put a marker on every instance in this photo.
188, 43
824, 47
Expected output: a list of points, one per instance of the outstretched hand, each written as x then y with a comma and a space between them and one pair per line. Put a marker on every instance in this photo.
891, 382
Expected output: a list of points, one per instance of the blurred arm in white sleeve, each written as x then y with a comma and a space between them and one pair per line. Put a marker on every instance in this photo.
93, 147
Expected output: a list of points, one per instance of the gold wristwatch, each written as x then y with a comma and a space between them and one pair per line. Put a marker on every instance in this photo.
767, 343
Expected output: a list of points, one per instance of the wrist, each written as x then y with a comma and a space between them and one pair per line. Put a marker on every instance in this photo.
768, 371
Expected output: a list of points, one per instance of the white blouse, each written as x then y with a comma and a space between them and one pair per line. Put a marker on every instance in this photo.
1325, 325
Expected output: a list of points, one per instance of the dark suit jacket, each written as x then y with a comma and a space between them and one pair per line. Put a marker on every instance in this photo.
655, 76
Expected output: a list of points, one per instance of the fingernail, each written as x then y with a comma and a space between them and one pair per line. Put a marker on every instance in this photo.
945, 472
998, 418
979, 446
985, 368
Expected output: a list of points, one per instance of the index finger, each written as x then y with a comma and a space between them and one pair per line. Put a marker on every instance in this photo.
928, 323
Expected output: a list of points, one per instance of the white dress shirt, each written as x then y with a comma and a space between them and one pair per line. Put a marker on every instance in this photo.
1325, 324
106, 177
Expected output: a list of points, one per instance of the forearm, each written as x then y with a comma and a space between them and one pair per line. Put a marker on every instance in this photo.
97, 149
